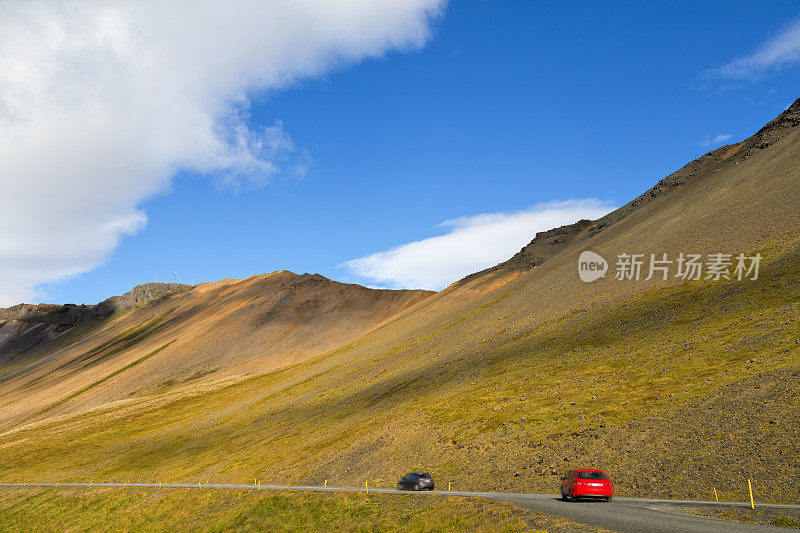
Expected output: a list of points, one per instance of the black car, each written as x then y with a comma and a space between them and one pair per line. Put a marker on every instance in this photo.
416, 481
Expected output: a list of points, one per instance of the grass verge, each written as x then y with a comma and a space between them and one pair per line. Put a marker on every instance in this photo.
222, 510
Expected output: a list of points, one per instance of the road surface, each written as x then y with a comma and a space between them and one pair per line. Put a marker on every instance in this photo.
623, 514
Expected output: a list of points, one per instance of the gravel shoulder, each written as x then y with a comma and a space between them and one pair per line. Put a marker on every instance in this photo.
787, 518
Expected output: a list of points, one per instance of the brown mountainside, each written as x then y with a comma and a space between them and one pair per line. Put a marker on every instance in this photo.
211, 332
24, 327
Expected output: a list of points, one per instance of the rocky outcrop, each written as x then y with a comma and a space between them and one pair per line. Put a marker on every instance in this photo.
138, 296
544, 245
772, 132
24, 326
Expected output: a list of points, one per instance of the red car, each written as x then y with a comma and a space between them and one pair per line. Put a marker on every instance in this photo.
586, 483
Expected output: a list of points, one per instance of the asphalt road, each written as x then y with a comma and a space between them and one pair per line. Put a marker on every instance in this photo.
623, 514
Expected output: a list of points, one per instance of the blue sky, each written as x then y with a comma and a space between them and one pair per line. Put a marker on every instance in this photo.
505, 108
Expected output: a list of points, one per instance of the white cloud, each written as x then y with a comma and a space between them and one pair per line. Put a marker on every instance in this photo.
101, 102
719, 139
471, 244
780, 50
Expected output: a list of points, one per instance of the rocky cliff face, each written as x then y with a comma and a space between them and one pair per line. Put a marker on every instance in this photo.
24, 326
139, 295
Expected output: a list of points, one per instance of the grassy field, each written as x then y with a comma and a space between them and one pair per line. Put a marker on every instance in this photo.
677, 391
221, 510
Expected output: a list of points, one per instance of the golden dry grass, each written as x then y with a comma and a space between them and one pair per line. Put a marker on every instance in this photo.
225, 510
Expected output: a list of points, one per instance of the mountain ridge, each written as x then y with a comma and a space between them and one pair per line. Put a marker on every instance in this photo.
548, 243
210, 332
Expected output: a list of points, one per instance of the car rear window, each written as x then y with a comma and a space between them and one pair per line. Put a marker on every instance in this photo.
591, 475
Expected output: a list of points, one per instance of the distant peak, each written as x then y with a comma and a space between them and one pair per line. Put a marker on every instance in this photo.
773, 132
790, 117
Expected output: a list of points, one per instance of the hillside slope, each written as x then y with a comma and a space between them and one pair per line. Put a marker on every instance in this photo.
515, 375
186, 336
25, 328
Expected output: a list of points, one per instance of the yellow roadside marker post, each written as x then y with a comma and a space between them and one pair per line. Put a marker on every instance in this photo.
198, 485
448, 487
752, 503
715, 494
366, 487
326, 483
159, 484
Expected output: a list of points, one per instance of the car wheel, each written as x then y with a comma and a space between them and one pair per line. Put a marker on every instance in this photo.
417, 487
608, 499
570, 497
563, 496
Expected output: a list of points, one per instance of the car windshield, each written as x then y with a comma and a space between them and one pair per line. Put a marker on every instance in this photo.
591, 475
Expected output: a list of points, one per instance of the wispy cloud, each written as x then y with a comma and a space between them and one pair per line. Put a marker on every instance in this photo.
470, 244
712, 141
102, 102
776, 52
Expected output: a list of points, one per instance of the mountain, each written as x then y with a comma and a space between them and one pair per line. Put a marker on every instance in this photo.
511, 375
548, 243
208, 333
